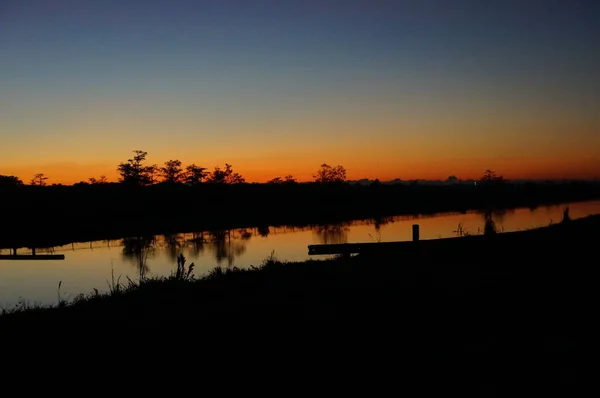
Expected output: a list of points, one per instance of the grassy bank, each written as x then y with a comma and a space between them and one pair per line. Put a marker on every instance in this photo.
517, 255
315, 288
499, 310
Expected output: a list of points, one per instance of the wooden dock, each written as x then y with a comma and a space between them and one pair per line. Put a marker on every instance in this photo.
32, 256
454, 243
575, 230
354, 248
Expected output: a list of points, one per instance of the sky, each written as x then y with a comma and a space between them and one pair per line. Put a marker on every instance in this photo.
389, 89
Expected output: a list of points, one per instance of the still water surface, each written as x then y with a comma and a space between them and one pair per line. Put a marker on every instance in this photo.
90, 265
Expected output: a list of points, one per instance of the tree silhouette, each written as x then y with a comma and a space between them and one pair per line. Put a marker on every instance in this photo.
276, 180
101, 180
288, 179
10, 181
134, 172
152, 171
39, 180
171, 172
491, 178
194, 175
328, 174
227, 176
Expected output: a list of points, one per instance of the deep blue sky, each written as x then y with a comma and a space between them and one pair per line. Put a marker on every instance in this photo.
388, 88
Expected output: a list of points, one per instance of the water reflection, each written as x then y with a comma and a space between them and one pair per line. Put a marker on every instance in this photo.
136, 250
225, 245
493, 221
173, 244
196, 244
378, 222
263, 231
224, 248
496, 215
88, 265
332, 233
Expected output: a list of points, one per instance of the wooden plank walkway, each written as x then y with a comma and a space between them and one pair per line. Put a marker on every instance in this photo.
556, 233
352, 248
32, 256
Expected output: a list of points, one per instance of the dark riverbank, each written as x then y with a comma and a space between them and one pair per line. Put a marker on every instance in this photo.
498, 313
57, 215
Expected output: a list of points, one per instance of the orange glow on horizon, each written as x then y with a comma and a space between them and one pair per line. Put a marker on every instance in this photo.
371, 88
260, 170
425, 141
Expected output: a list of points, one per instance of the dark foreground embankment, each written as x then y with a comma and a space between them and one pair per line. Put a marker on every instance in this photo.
493, 316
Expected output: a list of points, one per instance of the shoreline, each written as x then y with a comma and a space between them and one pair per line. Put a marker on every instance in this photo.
77, 231
572, 238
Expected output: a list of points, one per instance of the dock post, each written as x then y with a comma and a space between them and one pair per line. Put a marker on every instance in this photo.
415, 232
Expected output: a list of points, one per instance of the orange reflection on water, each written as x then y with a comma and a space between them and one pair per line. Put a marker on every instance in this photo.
449, 224
91, 265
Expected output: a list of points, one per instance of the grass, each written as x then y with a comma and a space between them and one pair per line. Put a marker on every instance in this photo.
529, 244
512, 308
530, 247
181, 273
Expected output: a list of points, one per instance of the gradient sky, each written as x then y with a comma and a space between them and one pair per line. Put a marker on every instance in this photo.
389, 89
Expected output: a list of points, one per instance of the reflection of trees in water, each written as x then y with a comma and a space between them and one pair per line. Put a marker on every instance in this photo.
263, 231
496, 215
173, 245
224, 248
378, 222
136, 250
494, 219
221, 243
245, 234
332, 233
196, 245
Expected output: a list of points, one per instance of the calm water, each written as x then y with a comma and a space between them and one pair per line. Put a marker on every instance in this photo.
90, 265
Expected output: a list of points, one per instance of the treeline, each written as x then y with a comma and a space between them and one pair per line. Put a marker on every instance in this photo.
149, 199
136, 172
51, 215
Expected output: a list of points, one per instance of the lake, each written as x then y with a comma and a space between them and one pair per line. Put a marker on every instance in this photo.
91, 265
